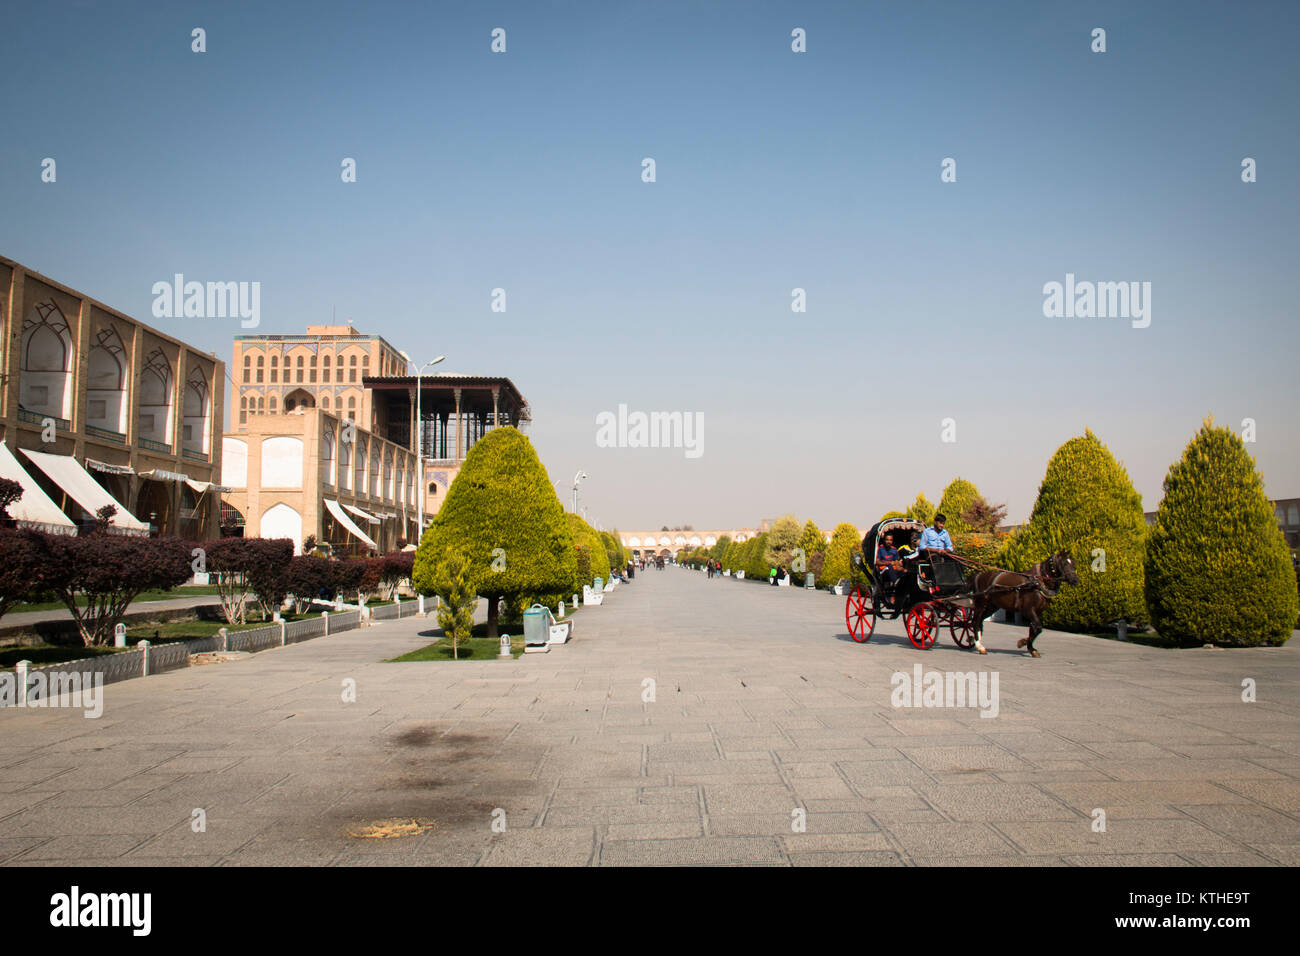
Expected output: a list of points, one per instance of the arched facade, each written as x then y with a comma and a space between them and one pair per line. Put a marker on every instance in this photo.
46, 362
155, 423
106, 378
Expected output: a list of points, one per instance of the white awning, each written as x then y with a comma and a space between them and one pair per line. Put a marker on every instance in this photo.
201, 486
110, 468
161, 474
343, 519
365, 515
68, 474
34, 508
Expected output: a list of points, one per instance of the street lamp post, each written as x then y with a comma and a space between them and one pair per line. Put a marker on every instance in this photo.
419, 441
577, 478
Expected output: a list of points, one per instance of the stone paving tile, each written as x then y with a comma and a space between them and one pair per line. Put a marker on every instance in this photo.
709, 850
550, 846
1121, 836
772, 710
935, 838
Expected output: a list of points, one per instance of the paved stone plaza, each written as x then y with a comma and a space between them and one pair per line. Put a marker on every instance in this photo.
762, 706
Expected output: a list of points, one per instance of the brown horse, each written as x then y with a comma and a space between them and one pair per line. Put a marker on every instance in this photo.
1027, 593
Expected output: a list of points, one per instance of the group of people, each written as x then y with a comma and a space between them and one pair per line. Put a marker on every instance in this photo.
713, 567
893, 562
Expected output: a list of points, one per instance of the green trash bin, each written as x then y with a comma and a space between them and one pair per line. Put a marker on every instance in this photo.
535, 625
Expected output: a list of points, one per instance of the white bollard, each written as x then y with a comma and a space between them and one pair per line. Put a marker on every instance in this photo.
20, 682
144, 663
325, 616
575, 600
225, 637
421, 610
283, 633
119, 635
275, 617
561, 608
504, 651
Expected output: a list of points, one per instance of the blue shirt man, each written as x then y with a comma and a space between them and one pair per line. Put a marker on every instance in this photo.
936, 538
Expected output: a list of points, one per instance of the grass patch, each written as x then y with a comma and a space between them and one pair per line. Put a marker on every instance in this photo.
167, 631
475, 649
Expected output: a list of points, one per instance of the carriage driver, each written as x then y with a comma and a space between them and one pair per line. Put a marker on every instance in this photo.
887, 561
935, 538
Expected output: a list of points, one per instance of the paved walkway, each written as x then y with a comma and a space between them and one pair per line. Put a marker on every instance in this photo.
763, 707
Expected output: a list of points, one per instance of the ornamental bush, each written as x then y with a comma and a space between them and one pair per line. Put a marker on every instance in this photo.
956, 499
502, 499
781, 541
922, 509
1218, 569
587, 540
1087, 505
845, 541
812, 541
984, 548
106, 572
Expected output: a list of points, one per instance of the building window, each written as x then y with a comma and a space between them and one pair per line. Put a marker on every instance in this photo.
273, 404
247, 376
325, 401
311, 376
259, 376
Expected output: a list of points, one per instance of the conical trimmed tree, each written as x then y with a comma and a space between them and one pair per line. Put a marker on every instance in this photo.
1087, 505
956, 498
839, 555
588, 539
812, 541
1218, 569
922, 509
502, 498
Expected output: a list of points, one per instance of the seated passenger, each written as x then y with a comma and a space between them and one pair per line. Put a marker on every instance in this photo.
888, 563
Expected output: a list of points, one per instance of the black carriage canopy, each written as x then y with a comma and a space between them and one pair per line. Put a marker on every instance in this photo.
906, 531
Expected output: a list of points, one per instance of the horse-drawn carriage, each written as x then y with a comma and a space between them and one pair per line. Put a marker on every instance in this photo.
930, 591
936, 590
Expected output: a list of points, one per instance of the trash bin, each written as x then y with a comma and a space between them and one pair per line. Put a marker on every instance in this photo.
535, 626
599, 585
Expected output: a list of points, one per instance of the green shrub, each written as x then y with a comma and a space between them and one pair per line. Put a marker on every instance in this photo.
587, 538
1087, 505
984, 548
922, 509
845, 542
501, 499
956, 498
1217, 566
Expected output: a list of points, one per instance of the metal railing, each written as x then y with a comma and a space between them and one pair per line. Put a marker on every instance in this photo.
145, 659
152, 445
36, 418
94, 431
193, 455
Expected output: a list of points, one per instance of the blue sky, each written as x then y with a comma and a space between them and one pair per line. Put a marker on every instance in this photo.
775, 170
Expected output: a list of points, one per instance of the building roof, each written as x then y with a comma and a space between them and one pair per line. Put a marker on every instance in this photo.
512, 397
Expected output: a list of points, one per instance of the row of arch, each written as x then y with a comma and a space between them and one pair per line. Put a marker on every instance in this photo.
365, 466
253, 404
305, 369
46, 369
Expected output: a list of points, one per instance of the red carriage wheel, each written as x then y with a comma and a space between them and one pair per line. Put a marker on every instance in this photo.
860, 615
962, 627
922, 625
